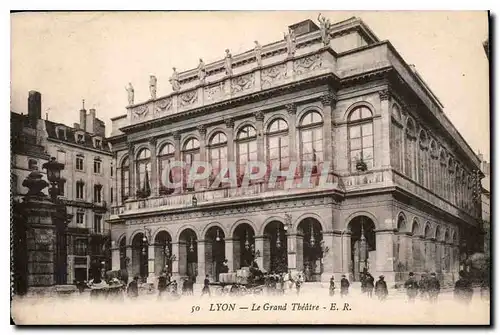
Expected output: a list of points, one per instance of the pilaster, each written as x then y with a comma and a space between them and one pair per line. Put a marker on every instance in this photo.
328, 100
384, 141
384, 263
229, 250
291, 108
154, 166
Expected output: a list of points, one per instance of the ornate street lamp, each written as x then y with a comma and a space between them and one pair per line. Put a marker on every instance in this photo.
278, 233
217, 238
54, 176
312, 241
191, 245
247, 243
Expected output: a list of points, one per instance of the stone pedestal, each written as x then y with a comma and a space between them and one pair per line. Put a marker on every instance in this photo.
259, 245
292, 251
229, 251
328, 261
151, 263
201, 245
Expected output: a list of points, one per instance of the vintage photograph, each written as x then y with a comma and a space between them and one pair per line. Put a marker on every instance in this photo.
250, 167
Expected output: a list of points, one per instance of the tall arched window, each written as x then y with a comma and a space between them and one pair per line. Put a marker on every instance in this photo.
410, 140
450, 178
166, 155
277, 144
442, 174
422, 158
247, 148
143, 168
311, 141
361, 137
125, 176
190, 154
218, 153
396, 136
434, 177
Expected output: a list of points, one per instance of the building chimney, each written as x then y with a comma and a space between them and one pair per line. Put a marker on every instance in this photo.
83, 116
480, 156
91, 121
34, 105
76, 125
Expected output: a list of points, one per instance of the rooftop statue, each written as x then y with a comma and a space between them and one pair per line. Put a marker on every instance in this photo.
258, 53
174, 81
228, 64
201, 71
325, 29
152, 86
290, 40
130, 93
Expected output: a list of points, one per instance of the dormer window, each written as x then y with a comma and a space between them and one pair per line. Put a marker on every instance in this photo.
97, 142
61, 132
80, 137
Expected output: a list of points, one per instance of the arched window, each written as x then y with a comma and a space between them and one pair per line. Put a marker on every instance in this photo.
361, 137
277, 144
410, 139
451, 177
434, 177
247, 148
190, 154
396, 136
442, 174
311, 141
143, 168
166, 155
125, 176
218, 153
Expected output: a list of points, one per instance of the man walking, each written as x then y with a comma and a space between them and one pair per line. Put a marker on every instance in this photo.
369, 284
162, 284
344, 286
206, 287
422, 285
381, 288
332, 286
463, 288
433, 288
133, 289
411, 287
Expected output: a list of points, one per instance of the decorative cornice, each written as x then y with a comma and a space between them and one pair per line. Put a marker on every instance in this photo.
384, 95
259, 116
291, 108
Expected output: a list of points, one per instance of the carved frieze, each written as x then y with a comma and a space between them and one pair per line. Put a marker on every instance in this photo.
140, 112
242, 83
214, 92
162, 107
273, 74
188, 98
307, 64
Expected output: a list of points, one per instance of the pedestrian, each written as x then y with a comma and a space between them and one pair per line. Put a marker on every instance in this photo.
411, 286
282, 284
463, 288
344, 286
332, 286
422, 285
298, 283
381, 288
206, 287
133, 289
369, 284
162, 284
433, 287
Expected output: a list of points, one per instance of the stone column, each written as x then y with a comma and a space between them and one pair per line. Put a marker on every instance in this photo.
330, 267
384, 159
259, 128
420, 247
405, 252
201, 261
179, 266
328, 100
300, 252
430, 255
151, 263
292, 251
129, 265
384, 254
260, 245
230, 139
159, 259
292, 132
229, 246
131, 170
115, 258
154, 167
203, 152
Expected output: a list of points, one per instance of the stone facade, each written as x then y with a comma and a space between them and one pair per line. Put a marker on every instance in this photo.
351, 103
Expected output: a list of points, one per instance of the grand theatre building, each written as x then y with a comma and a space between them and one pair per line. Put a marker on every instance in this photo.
399, 195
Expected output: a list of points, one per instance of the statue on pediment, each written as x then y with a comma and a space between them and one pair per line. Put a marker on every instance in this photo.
290, 40
325, 25
258, 53
130, 93
201, 71
152, 86
174, 81
228, 63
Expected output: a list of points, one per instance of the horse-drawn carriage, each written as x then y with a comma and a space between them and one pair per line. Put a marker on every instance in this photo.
240, 282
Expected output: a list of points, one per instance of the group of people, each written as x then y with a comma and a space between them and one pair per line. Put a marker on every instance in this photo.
344, 286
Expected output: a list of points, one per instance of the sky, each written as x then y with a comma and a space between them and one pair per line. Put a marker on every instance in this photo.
93, 55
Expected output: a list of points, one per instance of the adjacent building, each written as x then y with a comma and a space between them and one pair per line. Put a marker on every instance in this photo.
399, 192
85, 186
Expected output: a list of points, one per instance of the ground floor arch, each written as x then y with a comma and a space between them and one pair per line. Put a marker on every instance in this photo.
309, 241
363, 245
163, 252
243, 246
140, 256
188, 253
215, 251
275, 255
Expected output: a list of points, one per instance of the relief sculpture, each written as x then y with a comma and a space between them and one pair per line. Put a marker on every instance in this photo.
307, 64
242, 83
140, 112
188, 98
163, 106
273, 74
